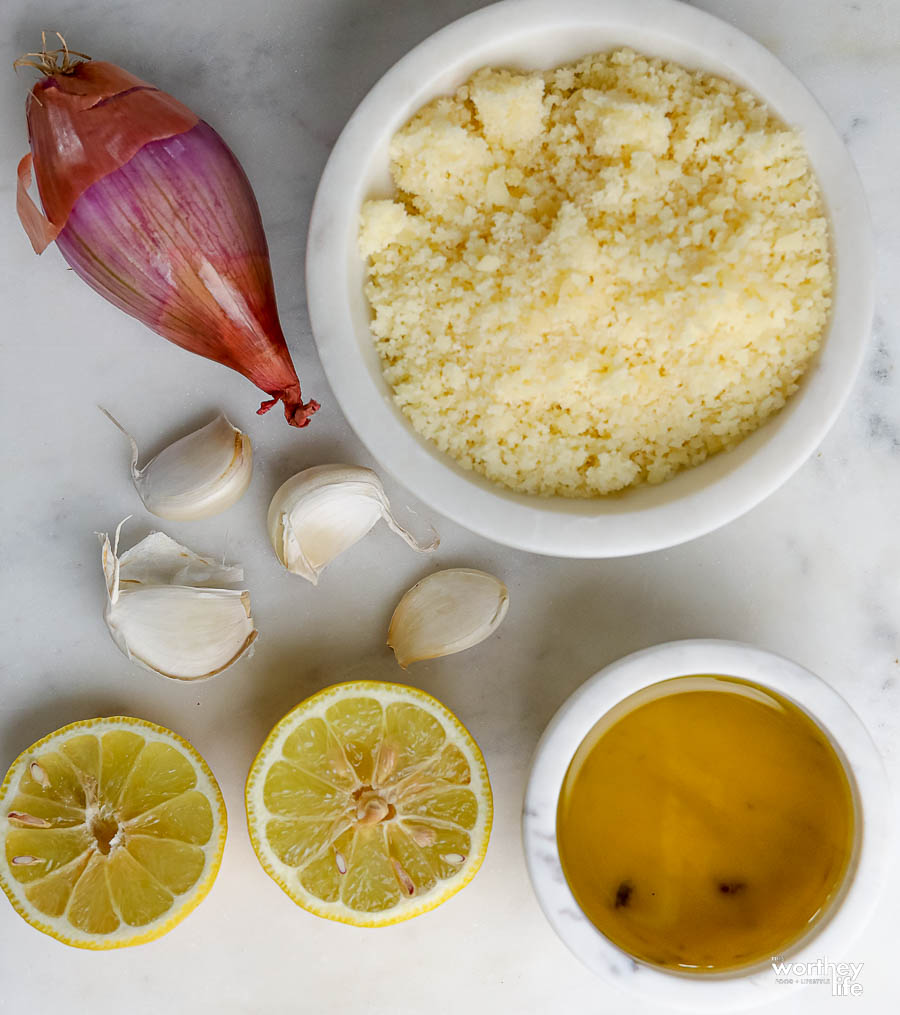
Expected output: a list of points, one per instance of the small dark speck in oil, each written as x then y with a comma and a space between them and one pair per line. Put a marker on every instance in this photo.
623, 894
732, 887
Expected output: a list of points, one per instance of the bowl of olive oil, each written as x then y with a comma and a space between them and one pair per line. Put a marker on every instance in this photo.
700, 812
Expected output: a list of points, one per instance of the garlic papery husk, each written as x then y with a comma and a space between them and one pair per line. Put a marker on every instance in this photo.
446, 612
166, 612
198, 476
323, 511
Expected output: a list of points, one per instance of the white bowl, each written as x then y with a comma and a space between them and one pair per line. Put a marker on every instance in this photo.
532, 34
830, 937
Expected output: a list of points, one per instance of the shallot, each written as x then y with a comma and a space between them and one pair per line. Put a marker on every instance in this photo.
149, 206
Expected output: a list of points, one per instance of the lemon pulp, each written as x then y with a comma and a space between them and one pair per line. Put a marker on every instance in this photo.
113, 831
369, 803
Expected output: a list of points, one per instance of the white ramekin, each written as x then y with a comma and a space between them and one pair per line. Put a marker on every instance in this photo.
829, 938
532, 34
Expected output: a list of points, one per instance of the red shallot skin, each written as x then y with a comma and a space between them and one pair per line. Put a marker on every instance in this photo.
174, 237
149, 206
89, 121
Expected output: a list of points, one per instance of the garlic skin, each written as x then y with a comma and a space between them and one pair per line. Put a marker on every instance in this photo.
166, 613
323, 511
198, 476
446, 612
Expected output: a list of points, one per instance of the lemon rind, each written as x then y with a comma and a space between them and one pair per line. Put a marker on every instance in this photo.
124, 936
385, 692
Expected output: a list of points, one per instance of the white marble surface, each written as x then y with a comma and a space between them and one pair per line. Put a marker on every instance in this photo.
812, 573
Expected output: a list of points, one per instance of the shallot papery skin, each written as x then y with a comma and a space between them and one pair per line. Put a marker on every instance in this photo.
149, 206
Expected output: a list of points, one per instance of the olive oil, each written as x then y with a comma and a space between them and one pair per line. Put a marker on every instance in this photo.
705, 824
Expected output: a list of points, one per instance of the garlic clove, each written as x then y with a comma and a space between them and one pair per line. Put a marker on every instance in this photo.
163, 612
446, 612
182, 632
198, 476
322, 511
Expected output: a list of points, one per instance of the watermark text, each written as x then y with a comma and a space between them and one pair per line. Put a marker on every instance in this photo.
842, 977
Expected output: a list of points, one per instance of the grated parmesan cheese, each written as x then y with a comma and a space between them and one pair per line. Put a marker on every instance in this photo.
596, 276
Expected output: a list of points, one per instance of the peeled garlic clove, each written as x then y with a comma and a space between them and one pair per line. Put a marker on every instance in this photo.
198, 476
164, 613
323, 511
446, 612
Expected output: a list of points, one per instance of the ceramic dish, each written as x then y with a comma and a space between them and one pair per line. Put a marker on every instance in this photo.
533, 34
829, 938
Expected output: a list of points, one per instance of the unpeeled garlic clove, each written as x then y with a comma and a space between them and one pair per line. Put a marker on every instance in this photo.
198, 476
166, 612
446, 612
323, 511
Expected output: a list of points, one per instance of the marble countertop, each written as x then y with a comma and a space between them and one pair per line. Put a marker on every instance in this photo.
812, 573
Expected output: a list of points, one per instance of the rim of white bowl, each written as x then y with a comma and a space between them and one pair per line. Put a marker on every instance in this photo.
837, 929
547, 33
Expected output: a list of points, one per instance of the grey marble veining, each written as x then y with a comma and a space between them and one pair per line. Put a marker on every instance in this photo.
811, 573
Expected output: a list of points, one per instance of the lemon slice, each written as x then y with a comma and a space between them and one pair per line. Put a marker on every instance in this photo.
113, 831
369, 803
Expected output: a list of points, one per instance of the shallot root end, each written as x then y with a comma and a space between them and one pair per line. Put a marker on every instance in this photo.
53, 61
296, 413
